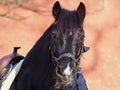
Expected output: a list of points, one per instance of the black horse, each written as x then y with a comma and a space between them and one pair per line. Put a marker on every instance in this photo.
53, 62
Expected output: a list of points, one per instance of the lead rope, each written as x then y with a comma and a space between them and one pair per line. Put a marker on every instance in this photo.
76, 81
77, 85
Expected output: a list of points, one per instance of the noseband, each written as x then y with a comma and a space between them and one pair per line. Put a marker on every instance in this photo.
68, 55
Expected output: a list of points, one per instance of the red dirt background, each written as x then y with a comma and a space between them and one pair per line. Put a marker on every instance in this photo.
100, 65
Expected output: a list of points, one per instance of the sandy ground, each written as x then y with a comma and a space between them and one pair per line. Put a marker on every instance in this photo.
101, 64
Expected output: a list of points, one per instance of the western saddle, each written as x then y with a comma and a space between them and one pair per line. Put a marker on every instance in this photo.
7, 62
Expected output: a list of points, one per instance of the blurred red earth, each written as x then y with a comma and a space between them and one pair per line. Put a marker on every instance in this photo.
100, 65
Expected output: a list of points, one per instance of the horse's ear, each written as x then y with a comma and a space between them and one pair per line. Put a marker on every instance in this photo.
56, 10
85, 49
81, 10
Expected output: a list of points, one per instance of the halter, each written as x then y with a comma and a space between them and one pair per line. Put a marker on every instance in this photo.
68, 55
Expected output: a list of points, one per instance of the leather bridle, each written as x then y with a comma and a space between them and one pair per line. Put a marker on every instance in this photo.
67, 55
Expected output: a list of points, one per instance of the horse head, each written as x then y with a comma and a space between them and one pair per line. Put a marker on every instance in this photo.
67, 40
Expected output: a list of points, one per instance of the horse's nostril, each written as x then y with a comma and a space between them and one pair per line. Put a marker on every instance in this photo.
59, 71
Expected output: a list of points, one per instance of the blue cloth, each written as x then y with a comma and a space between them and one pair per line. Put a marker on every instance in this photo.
81, 82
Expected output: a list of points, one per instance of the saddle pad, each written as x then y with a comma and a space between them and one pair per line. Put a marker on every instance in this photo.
7, 83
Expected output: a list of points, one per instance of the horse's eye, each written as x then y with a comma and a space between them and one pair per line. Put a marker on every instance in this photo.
54, 36
80, 36
78, 49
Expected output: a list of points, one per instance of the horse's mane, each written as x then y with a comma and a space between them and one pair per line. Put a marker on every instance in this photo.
41, 48
37, 61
